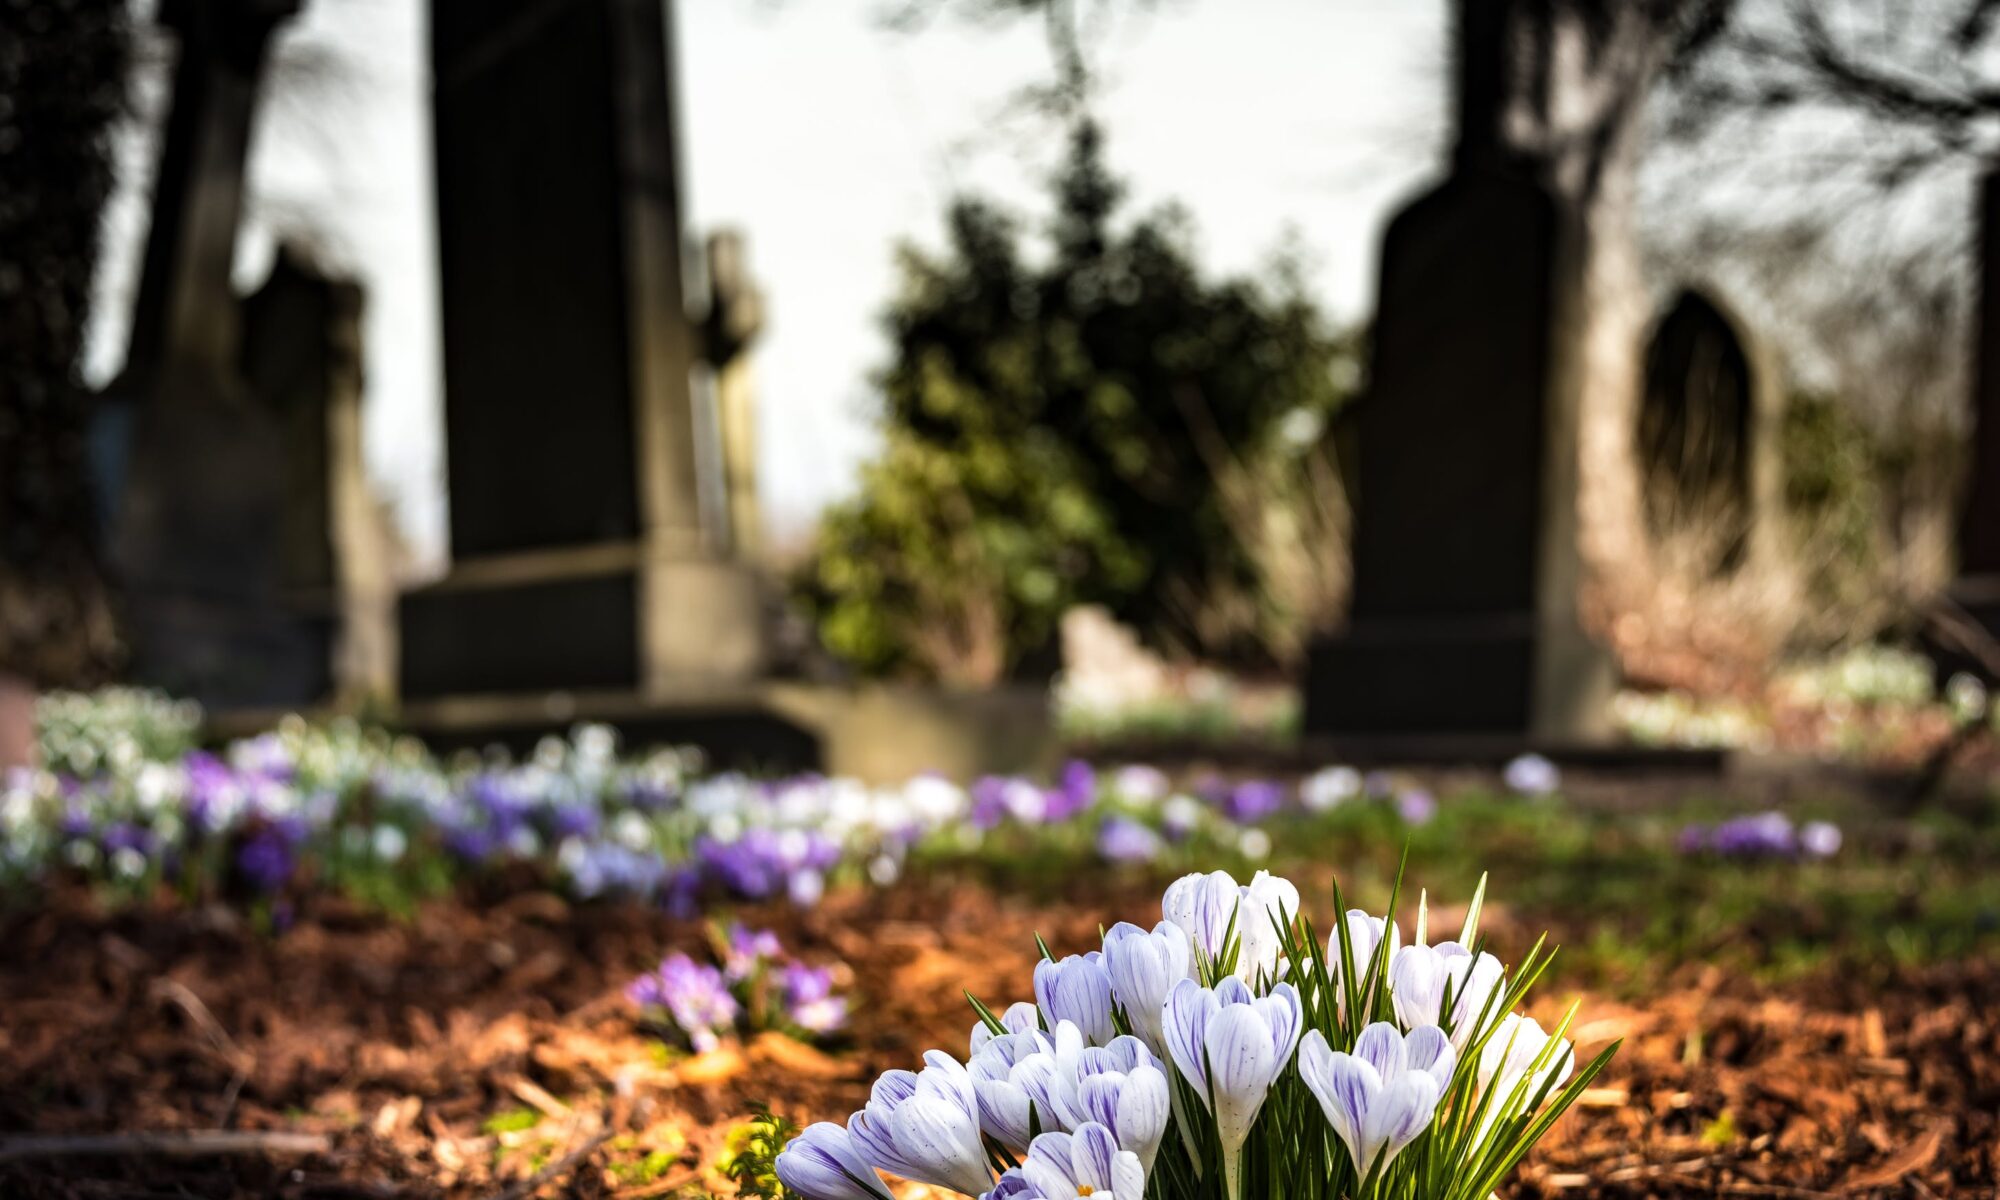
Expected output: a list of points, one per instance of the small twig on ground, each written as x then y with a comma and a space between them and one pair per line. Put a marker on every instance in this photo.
562, 1166
194, 1144
241, 1062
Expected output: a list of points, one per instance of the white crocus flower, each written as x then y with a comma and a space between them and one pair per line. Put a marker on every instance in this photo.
1020, 1017
1507, 1058
1381, 1097
1069, 1166
1231, 1047
1204, 905
1144, 967
1077, 989
1420, 976
822, 1163
925, 1126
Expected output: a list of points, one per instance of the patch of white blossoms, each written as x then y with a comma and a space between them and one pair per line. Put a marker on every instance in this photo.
1221, 1053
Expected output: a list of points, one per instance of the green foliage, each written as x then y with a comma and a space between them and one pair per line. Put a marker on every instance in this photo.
1093, 423
751, 1150
1834, 495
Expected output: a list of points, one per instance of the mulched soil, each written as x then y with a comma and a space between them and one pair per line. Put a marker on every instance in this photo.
400, 1040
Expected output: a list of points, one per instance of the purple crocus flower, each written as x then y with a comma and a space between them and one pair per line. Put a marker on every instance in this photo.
748, 951
1532, 775
1416, 806
693, 996
809, 1000
1124, 840
267, 859
1253, 800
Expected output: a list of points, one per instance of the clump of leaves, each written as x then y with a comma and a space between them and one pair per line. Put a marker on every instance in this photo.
752, 1147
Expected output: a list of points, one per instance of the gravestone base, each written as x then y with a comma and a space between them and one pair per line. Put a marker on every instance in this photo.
596, 617
1490, 676
197, 542
704, 619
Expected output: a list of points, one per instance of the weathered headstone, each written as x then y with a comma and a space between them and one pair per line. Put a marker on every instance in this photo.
198, 525
303, 360
1977, 585
1466, 568
582, 558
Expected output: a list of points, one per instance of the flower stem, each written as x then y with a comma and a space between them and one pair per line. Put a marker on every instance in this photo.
1232, 1173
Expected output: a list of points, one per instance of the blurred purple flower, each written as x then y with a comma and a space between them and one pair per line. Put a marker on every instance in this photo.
693, 996
1532, 775
1124, 840
809, 1000
1253, 800
748, 951
1416, 806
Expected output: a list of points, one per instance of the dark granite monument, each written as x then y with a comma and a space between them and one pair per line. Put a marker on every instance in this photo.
200, 470
583, 557
1466, 570
1976, 587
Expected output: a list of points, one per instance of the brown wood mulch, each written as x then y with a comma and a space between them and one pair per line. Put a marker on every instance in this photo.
400, 1041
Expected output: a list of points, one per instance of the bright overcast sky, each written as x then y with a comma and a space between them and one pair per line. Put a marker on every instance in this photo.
828, 139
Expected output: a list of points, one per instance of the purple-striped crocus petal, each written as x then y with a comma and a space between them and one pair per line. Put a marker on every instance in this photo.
1092, 1150
1202, 905
1077, 989
821, 1163
1012, 1186
1047, 1166
1144, 967
1381, 1046
1135, 1107
1128, 1177
1243, 1063
1268, 902
1282, 1012
1345, 1087
1048, 1089
1123, 1053
1428, 1050
941, 1142
1020, 1017
1397, 1116
1190, 1006
1416, 985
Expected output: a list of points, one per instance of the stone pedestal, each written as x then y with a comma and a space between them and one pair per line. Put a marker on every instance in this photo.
1465, 561
582, 554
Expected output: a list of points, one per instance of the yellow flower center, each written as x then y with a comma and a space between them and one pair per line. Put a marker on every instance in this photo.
1085, 1190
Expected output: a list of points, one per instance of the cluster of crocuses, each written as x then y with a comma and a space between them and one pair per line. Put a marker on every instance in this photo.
1763, 835
757, 986
1226, 1052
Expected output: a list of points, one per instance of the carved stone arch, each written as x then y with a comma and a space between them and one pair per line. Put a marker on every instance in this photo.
1698, 430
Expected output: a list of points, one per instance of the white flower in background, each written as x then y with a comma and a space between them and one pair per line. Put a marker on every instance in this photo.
1254, 845
1231, 1047
823, 1163
1077, 989
1532, 775
1819, 839
1020, 1017
1364, 937
1382, 1096
1329, 788
389, 842
1204, 905
1144, 967
925, 1126
1141, 785
1419, 977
